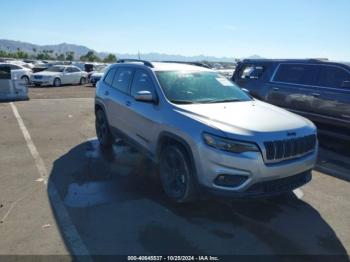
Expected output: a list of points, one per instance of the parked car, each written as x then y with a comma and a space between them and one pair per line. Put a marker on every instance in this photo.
11, 89
204, 132
59, 75
19, 72
97, 75
316, 89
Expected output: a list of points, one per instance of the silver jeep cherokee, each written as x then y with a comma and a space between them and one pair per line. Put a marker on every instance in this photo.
205, 133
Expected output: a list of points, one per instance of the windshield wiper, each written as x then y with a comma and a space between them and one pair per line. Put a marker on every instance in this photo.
221, 101
182, 102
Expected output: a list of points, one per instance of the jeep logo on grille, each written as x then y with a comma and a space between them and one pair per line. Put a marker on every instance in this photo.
291, 134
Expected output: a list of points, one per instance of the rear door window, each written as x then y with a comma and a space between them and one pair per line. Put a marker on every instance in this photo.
109, 76
331, 76
296, 74
122, 79
75, 70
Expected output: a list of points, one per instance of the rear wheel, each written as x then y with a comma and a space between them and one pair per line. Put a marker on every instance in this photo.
177, 175
103, 132
56, 82
26, 80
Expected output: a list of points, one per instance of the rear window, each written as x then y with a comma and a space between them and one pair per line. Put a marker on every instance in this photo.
296, 74
252, 72
331, 76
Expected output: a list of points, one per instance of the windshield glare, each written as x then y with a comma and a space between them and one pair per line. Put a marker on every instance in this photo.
55, 69
183, 87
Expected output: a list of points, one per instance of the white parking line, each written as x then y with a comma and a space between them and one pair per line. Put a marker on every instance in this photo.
33, 151
67, 227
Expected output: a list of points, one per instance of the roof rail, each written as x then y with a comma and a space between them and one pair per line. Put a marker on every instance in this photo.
318, 59
189, 63
146, 63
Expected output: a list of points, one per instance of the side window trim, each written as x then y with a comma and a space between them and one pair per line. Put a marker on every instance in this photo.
272, 79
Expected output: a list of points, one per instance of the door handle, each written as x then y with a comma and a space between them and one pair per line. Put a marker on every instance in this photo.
315, 94
106, 93
128, 103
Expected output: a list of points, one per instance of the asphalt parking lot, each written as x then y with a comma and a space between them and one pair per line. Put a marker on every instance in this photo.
60, 194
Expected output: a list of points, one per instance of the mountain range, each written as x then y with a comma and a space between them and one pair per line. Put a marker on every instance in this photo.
79, 50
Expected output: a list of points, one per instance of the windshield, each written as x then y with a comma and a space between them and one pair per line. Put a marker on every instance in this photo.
100, 69
183, 87
55, 69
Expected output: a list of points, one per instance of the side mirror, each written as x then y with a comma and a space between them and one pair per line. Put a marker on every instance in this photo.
246, 91
345, 84
144, 96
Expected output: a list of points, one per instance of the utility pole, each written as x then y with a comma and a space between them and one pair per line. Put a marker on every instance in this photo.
139, 55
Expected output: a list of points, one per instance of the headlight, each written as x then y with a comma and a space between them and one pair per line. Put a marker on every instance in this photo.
228, 144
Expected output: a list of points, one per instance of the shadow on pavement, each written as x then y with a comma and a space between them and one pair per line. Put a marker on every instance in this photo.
119, 210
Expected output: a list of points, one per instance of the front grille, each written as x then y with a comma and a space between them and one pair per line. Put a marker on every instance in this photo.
290, 148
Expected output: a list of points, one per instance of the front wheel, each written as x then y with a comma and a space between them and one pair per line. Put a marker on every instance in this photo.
56, 82
103, 132
177, 174
82, 81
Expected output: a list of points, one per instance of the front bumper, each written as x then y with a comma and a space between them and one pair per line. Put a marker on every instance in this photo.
261, 178
267, 188
44, 82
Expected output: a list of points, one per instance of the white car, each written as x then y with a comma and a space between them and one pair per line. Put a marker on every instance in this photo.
59, 75
19, 72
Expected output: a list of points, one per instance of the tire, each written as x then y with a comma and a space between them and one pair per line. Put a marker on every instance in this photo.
57, 82
103, 132
82, 81
26, 80
177, 174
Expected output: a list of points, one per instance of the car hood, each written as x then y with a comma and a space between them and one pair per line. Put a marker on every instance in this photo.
245, 118
46, 73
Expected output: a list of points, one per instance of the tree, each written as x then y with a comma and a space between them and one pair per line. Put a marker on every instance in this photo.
44, 55
21, 55
3, 53
111, 58
69, 56
90, 57
60, 57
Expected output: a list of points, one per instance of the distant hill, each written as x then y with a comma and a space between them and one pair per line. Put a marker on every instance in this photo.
79, 50
167, 57
254, 57
13, 46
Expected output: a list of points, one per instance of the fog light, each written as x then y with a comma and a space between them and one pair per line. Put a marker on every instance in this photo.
230, 180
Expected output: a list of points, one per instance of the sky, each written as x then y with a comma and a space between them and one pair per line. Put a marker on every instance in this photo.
231, 28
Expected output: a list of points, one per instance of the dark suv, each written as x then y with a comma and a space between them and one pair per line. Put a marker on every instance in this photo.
316, 89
